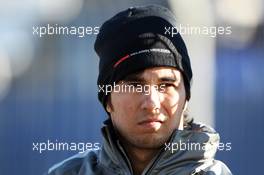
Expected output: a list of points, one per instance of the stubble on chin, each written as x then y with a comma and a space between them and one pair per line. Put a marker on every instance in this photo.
148, 141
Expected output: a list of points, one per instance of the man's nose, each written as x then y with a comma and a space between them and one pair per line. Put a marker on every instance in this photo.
151, 99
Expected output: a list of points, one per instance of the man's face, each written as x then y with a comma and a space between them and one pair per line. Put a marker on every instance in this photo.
147, 119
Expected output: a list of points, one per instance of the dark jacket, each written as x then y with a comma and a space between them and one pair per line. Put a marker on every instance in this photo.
195, 158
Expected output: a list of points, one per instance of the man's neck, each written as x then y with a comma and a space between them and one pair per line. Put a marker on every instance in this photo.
140, 157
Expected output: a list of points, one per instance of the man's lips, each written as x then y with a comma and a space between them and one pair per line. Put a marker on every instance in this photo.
152, 124
149, 121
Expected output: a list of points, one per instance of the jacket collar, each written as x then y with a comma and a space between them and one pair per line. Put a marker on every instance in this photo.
195, 145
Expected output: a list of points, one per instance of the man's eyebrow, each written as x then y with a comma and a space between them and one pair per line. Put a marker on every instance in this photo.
137, 77
168, 79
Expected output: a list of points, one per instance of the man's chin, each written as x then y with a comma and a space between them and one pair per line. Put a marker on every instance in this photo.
149, 141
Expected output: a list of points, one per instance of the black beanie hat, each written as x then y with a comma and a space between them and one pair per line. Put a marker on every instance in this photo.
136, 39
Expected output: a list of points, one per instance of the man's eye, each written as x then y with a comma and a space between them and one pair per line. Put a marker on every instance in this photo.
168, 85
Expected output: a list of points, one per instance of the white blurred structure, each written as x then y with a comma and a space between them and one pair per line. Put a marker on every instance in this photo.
244, 17
5, 74
201, 50
17, 45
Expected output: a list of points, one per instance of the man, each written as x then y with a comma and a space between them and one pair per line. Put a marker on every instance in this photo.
149, 75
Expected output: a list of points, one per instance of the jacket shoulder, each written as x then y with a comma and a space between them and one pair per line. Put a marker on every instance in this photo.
74, 164
218, 168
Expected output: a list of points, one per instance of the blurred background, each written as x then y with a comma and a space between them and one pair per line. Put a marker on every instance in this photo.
48, 84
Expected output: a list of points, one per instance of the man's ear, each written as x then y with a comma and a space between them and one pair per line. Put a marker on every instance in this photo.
108, 108
185, 105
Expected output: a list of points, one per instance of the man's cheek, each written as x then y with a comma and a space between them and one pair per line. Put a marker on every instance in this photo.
129, 108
